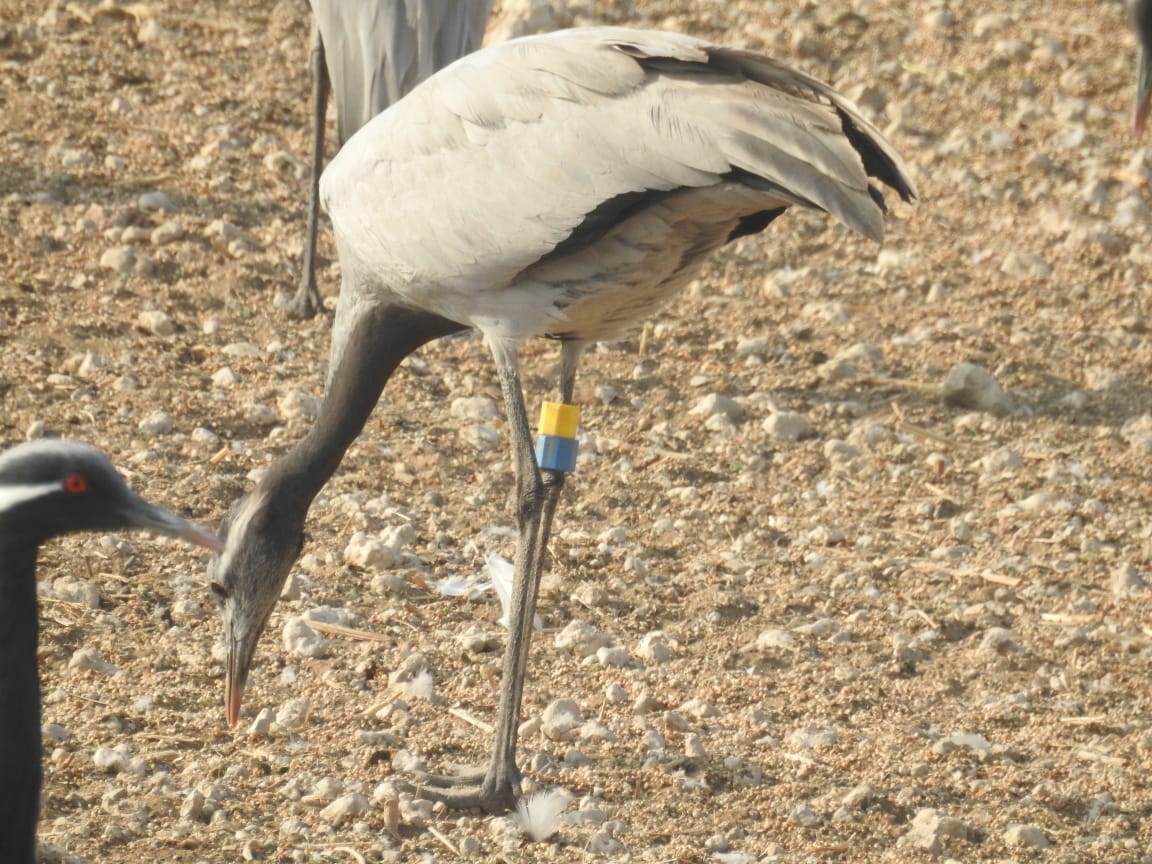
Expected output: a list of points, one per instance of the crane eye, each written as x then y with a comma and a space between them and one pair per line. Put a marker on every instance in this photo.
76, 484
219, 592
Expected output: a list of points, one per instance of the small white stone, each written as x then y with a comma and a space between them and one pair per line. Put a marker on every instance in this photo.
1026, 835
121, 259
192, 807
73, 590
581, 638
156, 322
109, 760
653, 648
158, 201
971, 386
344, 808
473, 408
717, 403
89, 659
157, 423
1127, 580
224, 377
302, 640
613, 656
262, 725
261, 414
169, 232
787, 426
368, 552
299, 404
480, 437
560, 720
242, 349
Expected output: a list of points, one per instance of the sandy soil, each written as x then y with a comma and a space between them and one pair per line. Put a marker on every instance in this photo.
920, 633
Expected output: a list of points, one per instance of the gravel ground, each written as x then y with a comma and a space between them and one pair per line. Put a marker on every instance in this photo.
819, 591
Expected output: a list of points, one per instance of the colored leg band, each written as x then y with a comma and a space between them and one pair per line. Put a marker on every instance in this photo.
556, 445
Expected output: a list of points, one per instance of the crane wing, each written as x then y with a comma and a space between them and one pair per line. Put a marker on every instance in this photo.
492, 164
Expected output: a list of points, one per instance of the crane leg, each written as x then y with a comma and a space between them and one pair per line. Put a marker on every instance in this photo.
497, 787
307, 301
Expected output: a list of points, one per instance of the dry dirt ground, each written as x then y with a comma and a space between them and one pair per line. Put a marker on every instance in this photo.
922, 632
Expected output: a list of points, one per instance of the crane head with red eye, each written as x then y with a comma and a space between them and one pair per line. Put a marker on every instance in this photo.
49, 488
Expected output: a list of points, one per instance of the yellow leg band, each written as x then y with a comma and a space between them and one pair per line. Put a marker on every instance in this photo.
559, 420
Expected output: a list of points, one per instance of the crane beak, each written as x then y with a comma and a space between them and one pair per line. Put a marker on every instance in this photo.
140, 514
1143, 92
235, 677
241, 650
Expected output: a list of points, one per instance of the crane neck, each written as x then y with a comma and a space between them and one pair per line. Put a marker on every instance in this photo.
365, 353
19, 703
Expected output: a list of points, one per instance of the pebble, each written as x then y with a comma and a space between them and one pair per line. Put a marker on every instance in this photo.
260, 414
646, 703
1000, 461
581, 638
1138, 433
931, 829
614, 692
968, 385
474, 408
158, 201
242, 349
998, 640
613, 656
168, 232
812, 737
1024, 264
371, 553
804, 816
718, 404
77, 591
157, 423
192, 807
654, 648
53, 733
91, 364
292, 713
298, 404
1029, 836
344, 808
752, 347
225, 378
152, 30
1127, 580
302, 640
858, 797
787, 426
480, 437
978, 744
156, 322
121, 259
110, 760
89, 659
559, 721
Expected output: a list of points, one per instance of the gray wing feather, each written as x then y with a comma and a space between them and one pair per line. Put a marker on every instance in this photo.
378, 50
492, 164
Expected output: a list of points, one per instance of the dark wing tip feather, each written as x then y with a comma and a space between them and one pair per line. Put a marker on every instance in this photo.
877, 162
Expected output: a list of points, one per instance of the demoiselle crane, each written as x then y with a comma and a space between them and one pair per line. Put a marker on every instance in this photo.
370, 53
48, 488
565, 186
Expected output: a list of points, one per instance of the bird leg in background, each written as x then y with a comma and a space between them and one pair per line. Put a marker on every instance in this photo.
498, 787
307, 301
